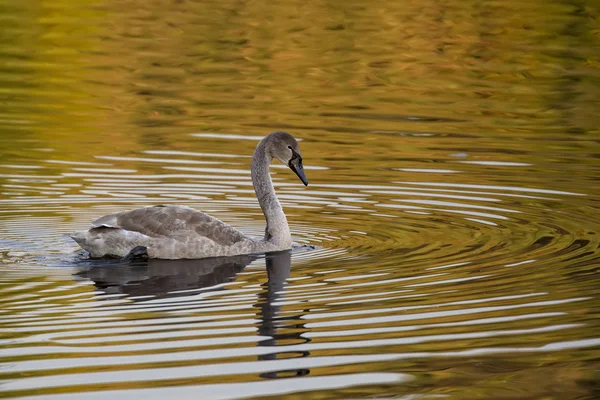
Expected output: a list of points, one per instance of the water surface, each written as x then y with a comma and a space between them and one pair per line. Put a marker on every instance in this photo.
453, 155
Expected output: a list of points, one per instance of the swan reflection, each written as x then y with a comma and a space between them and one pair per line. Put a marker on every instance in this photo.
176, 278
283, 330
165, 278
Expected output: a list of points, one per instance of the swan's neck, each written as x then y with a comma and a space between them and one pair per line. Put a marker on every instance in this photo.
277, 231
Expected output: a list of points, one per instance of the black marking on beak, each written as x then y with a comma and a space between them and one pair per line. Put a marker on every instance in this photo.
295, 165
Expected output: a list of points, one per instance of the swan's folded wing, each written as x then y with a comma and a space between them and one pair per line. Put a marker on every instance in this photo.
172, 221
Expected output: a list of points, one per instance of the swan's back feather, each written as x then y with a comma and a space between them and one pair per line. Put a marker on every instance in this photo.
171, 221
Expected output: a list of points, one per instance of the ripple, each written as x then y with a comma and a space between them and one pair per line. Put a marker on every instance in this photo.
497, 163
193, 154
255, 389
160, 160
509, 188
428, 170
432, 273
229, 136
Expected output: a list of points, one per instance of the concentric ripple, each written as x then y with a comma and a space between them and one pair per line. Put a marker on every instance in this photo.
405, 273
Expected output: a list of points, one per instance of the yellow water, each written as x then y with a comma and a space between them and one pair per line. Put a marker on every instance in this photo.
453, 154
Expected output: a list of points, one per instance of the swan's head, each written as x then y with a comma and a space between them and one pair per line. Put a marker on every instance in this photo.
285, 148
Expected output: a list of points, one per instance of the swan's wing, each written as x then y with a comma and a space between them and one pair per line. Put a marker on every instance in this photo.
172, 221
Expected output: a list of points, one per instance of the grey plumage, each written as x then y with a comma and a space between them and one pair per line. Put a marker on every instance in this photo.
176, 232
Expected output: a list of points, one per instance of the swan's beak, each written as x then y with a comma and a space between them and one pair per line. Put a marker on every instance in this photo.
295, 165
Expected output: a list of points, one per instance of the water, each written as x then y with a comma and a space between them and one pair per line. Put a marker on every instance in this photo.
452, 151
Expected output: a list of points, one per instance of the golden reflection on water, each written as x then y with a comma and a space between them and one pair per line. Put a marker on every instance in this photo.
452, 150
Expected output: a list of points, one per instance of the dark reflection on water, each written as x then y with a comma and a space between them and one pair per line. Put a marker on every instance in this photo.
164, 278
157, 279
278, 270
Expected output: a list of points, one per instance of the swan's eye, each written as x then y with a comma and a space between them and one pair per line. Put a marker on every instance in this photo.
290, 147
300, 164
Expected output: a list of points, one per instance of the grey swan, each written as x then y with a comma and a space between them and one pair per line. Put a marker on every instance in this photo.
178, 232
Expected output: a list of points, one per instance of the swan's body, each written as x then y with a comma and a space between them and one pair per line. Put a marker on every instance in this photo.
176, 232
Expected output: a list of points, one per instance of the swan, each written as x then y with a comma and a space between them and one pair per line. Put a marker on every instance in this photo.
179, 232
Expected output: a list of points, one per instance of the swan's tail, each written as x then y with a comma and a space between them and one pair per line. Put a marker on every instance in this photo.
104, 241
79, 237
82, 239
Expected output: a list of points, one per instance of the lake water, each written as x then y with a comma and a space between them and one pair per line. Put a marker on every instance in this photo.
453, 154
